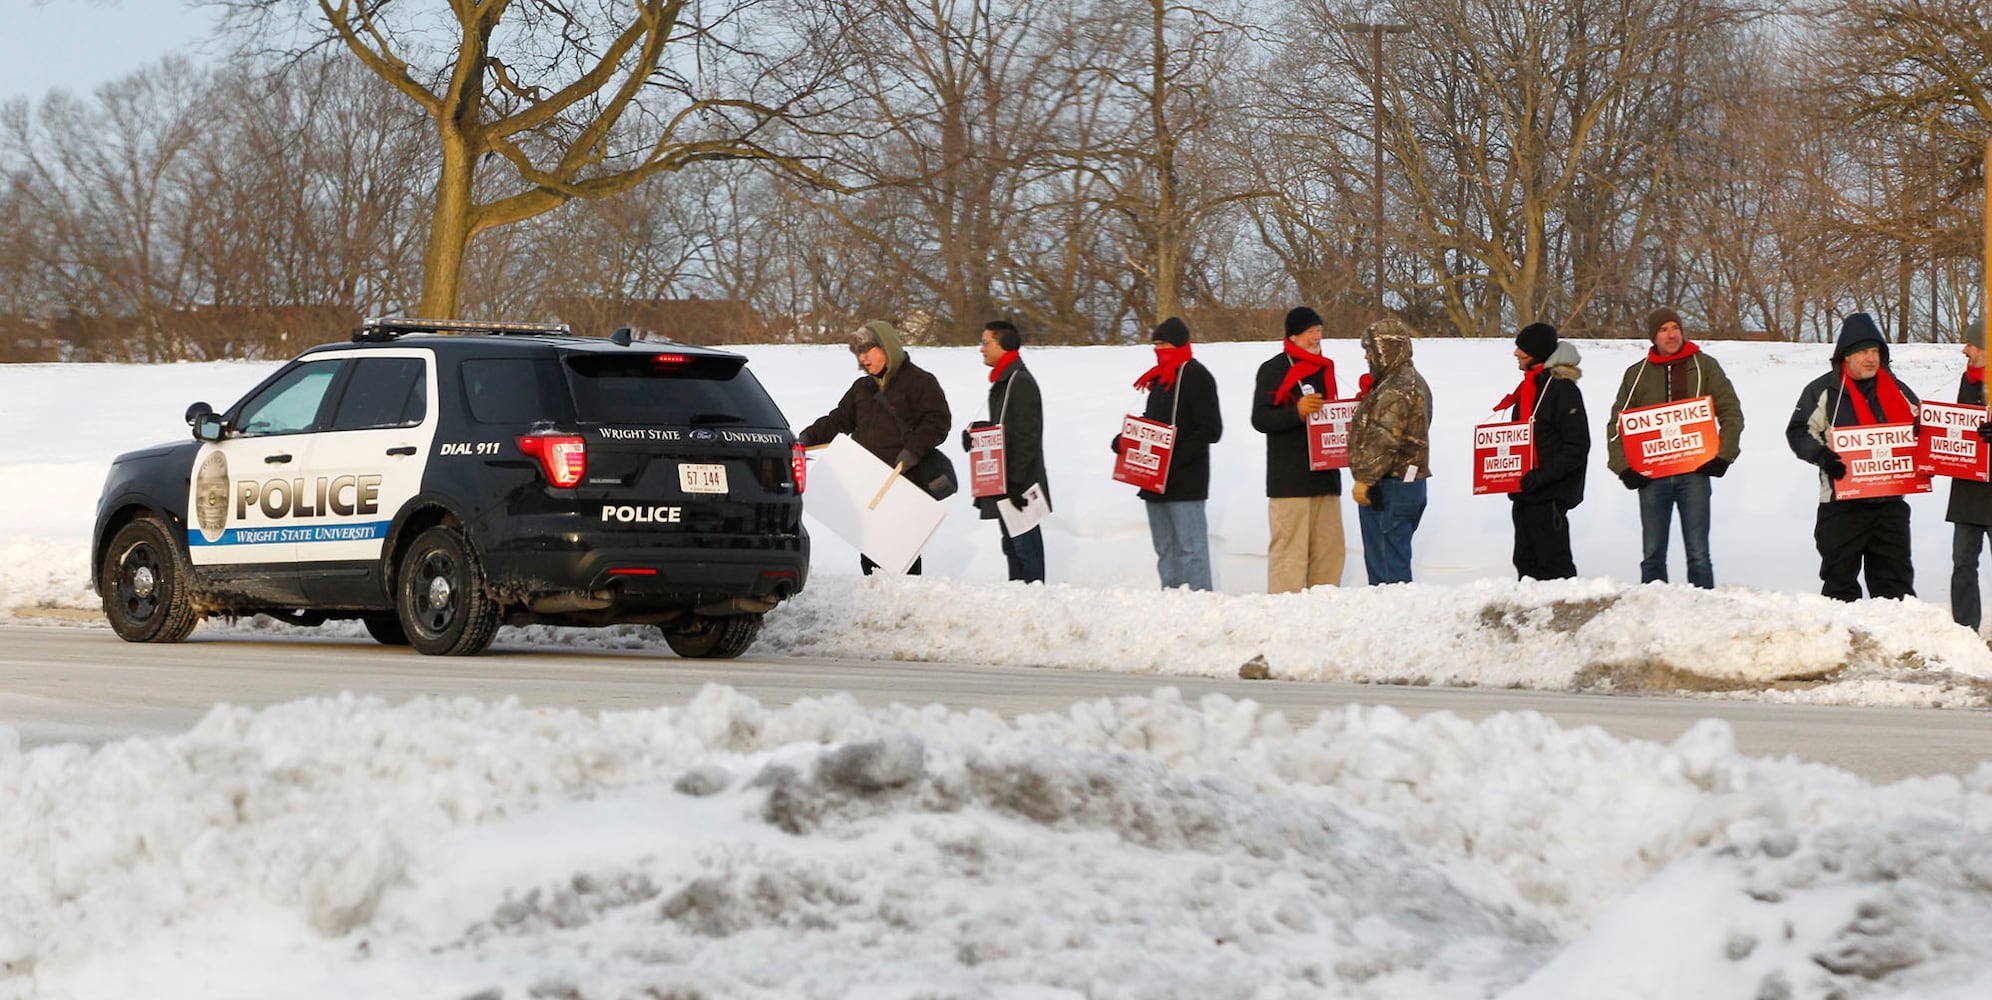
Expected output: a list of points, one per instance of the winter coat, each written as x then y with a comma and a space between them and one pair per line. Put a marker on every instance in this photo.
1287, 474
1648, 384
1970, 500
1562, 432
1016, 403
867, 412
1822, 404
1392, 427
1190, 404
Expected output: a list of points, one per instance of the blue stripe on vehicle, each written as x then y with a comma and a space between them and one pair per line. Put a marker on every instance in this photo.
370, 531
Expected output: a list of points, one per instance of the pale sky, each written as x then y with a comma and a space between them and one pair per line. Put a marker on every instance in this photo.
79, 44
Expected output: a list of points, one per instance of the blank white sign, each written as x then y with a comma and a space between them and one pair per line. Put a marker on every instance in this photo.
844, 479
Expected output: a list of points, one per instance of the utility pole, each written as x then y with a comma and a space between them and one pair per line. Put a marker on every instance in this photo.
1376, 33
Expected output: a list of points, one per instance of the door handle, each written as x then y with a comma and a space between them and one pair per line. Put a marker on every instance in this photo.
276, 459
406, 449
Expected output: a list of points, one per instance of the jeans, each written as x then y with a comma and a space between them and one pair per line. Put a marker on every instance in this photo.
1025, 552
1182, 543
1688, 492
1387, 527
1967, 541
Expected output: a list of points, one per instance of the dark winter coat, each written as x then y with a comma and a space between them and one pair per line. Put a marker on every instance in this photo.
1648, 384
1562, 432
1287, 474
1191, 405
867, 411
1016, 403
1392, 428
1822, 404
1970, 500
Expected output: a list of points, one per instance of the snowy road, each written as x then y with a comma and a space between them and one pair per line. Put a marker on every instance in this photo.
83, 684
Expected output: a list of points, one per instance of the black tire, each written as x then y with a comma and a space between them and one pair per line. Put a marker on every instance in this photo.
386, 629
714, 638
439, 596
144, 580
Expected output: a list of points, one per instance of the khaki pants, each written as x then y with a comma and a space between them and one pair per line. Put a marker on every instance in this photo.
1307, 548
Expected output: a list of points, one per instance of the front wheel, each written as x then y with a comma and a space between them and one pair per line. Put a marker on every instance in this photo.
714, 638
439, 596
143, 580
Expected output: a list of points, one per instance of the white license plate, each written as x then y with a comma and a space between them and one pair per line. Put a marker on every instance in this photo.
702, 478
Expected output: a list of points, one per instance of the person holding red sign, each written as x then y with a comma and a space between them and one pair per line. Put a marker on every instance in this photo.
1674, 370
1303, 505
1015, 405
1853, 534
1390, 451
1183, 394
1970, 508
1549, 401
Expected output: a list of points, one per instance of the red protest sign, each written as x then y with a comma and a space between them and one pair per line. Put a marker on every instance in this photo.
1144, 456
1881, 461
1328, 435
1949, 444
985, 462
1671, 438
1502, 454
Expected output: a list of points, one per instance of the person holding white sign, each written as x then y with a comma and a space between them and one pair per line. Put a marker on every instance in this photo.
1303, 495
1855, 530
1016, 411
1970, 507
1673, 395
1182, 395
1549, 401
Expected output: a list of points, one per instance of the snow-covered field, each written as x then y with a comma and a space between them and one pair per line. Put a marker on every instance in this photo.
1138, 848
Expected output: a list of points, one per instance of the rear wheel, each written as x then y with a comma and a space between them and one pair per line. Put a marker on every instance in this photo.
439, 597
144, 583
386, 630
720, 638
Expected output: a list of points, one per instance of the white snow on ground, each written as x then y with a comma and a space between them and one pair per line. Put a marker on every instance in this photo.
1135, 848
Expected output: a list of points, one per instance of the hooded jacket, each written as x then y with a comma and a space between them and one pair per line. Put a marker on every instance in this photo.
1392, 427
1648, 384
1822, 404
1562, 432
867, 410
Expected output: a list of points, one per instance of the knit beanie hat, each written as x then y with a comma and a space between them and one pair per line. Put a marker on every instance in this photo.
1301, 319
1658, 318
1172, 331
1973, 333
1537, 340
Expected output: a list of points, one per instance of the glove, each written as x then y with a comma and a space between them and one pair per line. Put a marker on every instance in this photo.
1633, 480
1714, 467
1116, 446
1831, 464
968, 442
906, 459
1363, 496
1016, 498
964, 440
1310, 403
1532, 481
1985, 430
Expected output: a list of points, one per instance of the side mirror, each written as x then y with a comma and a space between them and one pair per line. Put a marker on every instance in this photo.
206, 423
196, 411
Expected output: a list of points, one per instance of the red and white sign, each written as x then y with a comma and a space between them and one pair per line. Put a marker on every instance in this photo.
1144, 456
1671, 438
1502, 454
1328, 435
1950, 445
1881, 461
985, 462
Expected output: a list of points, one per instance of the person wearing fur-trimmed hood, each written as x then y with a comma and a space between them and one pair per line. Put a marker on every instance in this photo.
1550, 402
1866, 535
1675, 369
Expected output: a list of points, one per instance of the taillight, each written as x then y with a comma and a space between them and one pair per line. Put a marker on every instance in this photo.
800, 466
562, 458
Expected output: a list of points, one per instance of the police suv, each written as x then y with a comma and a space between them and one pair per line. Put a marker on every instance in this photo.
436, 479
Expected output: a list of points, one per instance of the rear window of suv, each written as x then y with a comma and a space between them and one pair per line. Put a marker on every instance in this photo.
644, 389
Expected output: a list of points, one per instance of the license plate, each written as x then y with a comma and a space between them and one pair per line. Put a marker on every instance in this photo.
702, 478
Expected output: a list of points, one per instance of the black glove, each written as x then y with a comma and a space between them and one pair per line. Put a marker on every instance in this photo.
1714, 467
1633, 480
965, 441
976, 426
906, 459
1831, 464
1532, 481
1116, 446
1016, 498
1985, 430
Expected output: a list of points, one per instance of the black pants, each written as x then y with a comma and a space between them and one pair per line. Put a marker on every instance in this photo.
1542, 540
1870, 535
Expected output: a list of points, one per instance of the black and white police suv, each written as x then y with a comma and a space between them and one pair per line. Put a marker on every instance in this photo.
436, 479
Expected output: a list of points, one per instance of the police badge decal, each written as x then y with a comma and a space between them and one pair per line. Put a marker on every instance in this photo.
211, 496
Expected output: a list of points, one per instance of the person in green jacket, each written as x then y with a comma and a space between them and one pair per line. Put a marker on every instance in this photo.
1675, 369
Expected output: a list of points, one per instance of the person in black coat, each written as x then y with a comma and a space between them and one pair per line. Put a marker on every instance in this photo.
1549, 400
1303, 505
1866, 534
1182, 393
1970, 509
895, 410
1017, 406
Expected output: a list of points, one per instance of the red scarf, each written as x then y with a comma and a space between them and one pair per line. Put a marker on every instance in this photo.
1304, 364
1003, 362
1168, 361
1525, 394
1976, 376
1894, 405
1688, 350
1363, 385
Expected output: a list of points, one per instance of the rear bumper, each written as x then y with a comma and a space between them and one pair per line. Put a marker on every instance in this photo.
560, 574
